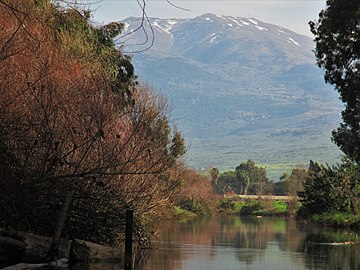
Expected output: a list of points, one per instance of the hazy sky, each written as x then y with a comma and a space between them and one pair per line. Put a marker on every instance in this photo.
291, 14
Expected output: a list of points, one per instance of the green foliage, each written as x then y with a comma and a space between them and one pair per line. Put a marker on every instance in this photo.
250, 208
337, 38
197, 205
338, 219
332, 189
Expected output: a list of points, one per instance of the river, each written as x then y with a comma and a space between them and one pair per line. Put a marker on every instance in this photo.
231, 242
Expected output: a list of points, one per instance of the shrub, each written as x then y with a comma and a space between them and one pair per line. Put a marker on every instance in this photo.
197, 206
250, 207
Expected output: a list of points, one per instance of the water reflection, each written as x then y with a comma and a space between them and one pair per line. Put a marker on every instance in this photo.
249, 243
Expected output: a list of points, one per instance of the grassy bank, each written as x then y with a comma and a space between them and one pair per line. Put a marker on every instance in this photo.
335, 219
182, 213
258, 207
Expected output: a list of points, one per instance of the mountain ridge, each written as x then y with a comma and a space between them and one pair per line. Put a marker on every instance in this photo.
235, 79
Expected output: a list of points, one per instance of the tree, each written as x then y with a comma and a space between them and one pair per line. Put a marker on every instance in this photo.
251, 178
291, 184
247, 178
227, 183
337, 37
332, 188
214, 176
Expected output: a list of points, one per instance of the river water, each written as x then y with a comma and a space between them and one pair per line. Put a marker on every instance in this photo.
231, 242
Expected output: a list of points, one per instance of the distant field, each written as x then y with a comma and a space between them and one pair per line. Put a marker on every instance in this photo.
277, 154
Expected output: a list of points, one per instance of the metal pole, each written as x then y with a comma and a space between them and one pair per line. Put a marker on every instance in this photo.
128, 239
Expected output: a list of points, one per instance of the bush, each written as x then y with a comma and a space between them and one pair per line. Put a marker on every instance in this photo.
197, 206
227, 204
250, 207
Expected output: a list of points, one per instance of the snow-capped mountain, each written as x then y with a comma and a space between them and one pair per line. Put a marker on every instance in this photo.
240, 88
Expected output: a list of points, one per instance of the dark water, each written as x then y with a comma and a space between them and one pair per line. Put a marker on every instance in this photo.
229, 243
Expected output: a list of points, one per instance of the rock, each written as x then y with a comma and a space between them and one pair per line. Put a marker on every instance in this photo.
88, 252
37, 248
30, 248
10, 249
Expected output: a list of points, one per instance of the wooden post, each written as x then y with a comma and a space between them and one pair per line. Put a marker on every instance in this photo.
128, 239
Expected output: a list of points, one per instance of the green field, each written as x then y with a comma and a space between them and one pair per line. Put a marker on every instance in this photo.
277, 154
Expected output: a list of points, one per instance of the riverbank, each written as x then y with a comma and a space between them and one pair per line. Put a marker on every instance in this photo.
258, 207
333, 219
249, 207
277, 208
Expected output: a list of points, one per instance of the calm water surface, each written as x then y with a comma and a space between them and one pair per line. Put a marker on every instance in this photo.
229, 243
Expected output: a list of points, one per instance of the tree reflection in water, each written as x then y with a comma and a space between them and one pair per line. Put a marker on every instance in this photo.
231, 242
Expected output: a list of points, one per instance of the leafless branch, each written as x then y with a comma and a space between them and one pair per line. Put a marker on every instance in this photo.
170, 3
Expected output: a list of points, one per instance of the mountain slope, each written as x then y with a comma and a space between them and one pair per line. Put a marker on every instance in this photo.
240, 89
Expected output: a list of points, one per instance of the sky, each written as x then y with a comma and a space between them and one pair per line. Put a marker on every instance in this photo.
290, 14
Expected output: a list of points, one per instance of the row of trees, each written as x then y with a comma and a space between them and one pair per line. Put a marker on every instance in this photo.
248, 178
74, 119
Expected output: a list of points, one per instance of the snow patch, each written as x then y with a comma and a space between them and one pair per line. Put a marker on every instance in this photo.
235, 21
212, 40
261, 28
282, 32
169, 25
166, 28
245, 23
253, 21
293, 41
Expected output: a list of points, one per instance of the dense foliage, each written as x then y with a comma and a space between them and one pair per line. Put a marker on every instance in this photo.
332, 189
73, 118
337, 37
